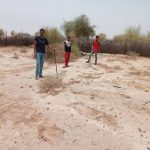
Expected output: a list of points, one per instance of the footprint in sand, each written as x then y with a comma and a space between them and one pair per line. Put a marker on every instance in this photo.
31, 121
94, 114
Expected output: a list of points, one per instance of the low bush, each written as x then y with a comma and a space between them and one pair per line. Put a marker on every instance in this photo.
75, 52
60, 54
53, 35
51, 85
19, 39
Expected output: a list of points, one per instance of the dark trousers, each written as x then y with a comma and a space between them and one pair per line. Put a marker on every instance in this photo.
92, 53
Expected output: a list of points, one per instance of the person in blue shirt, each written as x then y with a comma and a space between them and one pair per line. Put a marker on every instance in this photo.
40, 43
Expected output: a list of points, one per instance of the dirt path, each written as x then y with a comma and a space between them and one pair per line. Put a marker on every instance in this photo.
104, 107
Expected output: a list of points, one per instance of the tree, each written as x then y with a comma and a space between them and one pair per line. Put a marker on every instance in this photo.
53, 35
80, 26
102, 36
133, 33
119, 38
2, 33
12, 33
148, 37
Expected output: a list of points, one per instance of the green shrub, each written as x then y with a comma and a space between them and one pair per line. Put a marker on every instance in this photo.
53, 35
132, 42
81, 26
75, 51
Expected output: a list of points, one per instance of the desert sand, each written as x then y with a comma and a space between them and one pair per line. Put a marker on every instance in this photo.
103, 107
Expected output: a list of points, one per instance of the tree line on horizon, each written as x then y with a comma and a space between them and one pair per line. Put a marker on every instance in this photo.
82, 33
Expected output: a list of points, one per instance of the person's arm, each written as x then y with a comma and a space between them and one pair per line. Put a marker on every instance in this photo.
34, 48
49, 46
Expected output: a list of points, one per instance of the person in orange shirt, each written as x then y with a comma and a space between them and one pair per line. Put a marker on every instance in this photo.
96, 47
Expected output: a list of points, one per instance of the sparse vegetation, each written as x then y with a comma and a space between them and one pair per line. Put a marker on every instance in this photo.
15, 56
53, 35
57, 41
80, 30
102, 37
133, 54
51, 85
59, 53
2, 33
131, 42
140, 73
16, 39
75, 51
23, 51
80, 26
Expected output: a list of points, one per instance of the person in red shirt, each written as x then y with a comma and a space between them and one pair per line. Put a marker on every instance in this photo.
96, 47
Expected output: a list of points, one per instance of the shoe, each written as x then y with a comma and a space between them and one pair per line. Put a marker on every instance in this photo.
36, 78
87, 62
95, 64
41, 76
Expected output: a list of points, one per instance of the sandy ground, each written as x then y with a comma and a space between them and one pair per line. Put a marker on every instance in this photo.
103, 107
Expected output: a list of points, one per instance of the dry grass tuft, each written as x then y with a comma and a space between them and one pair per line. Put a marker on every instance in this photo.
51, 85
117, 68
24, 51
59, 54
15, 56
133, 54
140, 73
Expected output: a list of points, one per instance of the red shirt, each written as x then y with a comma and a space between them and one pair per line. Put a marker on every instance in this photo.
96, 46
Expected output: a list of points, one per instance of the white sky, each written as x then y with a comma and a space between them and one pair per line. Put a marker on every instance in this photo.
109, 16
